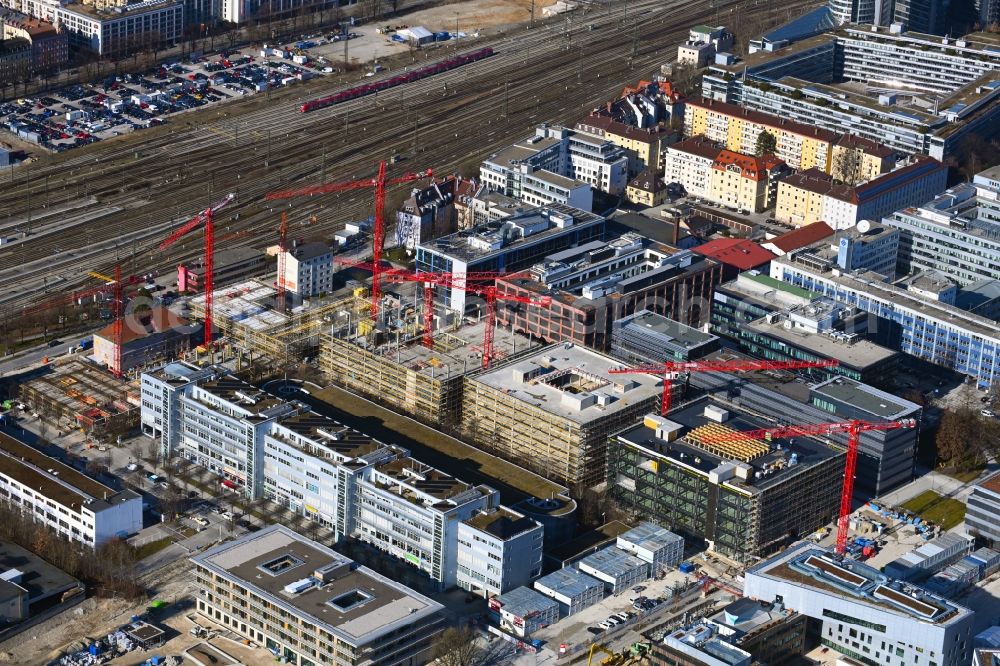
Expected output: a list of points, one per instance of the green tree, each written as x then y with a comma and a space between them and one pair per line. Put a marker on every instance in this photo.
767, 143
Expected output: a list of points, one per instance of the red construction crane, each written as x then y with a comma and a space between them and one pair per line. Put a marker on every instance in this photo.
472, 282
282, 248
204, 217
852, 428
379, 183
671, 368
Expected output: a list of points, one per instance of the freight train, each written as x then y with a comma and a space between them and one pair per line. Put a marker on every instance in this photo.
406, 77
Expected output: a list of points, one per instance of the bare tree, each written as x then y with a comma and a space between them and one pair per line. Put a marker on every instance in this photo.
458, 646
848, 166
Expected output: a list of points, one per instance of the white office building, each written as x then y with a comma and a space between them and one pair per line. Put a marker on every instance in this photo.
654, 544
865, 614
498, 550
64, 499
580, 157
340, 478
308, 269
115, 30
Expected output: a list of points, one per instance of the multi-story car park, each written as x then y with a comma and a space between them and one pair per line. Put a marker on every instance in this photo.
64, 499
338, 477
940, 90
929, 329
113, 31
743, 498
309, 605
956, 233
865, 614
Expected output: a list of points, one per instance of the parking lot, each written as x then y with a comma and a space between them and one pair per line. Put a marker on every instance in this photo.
82, 114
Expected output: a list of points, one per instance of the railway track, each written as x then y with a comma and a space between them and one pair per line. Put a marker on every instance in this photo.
139, 187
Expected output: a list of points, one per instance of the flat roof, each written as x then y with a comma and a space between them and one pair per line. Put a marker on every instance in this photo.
569, 582
489, 239
561, 379
330, 434
523, 601
769, 465
456, 352
38, 577
63, 484
874, 284
651, 536
423, 478
382, 606
238, 392
811, 566
992, 483
670, 329
502, 523
612, 561
866, 398
858, 354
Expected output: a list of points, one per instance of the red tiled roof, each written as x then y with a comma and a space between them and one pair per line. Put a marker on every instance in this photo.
764, 119
802, 236
738, 252
866, 146
752, 168
596, 119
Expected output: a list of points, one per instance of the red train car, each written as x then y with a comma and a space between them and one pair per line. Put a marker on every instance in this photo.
414, 75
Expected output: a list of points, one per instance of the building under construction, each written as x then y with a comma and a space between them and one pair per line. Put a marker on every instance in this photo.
745, 498
244, 313
83, 396
394, 368
554, 410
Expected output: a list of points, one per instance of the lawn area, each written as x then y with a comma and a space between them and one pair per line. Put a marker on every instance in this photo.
966, 477
151, 547
931, 506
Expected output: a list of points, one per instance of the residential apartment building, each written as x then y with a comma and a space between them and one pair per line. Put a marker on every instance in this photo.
865, 615
929, 329
642, 145
800, 146
956, 233
689, 162
335, 476
510, 243
647, 189
923, 94
553, 411
275, 588
574, 154
498, 550
15, 60
49, 44
69, 502
596, 283
308, 269
745, 182
113, 30
982, 514
813, 196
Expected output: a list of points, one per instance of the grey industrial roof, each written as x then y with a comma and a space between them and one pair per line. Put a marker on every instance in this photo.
311, 251
38, 577
674, 331
651, 536
569, 582
392, 606
859, 354
612, 561
866, 398
523, 600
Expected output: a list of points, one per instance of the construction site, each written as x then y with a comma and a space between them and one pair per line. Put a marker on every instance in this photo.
396, 368
80, 395
552, 411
